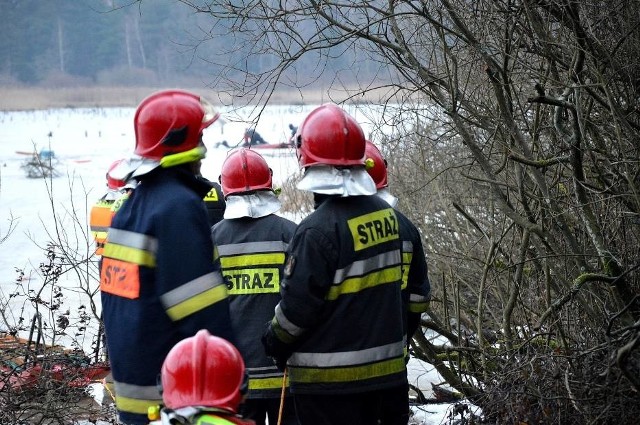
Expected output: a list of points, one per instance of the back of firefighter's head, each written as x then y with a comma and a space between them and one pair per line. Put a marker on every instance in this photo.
330, 136
169, 125
203, 370
113, 183
376, 165
245, 171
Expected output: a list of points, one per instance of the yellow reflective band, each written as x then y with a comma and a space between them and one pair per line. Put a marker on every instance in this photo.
406, 266
252, 281
347, 374
357, 284
266, 383
197, 303
374, 228
117, 204
212, 195
185, 157
252, 260
418, 307
212, 420
101, 235
134, 405
130, 255
280, 332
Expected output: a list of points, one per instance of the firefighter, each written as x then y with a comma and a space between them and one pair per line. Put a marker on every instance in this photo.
158, 283
214, 202
203, 383
102, 213
338, 329
251, 242
416, 289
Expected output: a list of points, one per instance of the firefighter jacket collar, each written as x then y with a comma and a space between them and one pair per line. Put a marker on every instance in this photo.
112, 195
255, 205
386, 196
133, 167
329, 180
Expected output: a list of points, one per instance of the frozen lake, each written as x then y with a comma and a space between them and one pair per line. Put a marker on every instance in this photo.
34, 211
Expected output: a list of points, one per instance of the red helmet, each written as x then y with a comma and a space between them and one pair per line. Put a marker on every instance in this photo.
112, 183
243, 171
170, 122
376, 165
203, 370
330, 136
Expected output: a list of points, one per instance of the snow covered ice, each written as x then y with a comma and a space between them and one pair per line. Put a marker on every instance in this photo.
86, 142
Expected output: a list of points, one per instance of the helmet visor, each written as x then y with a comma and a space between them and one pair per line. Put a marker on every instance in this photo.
210, 113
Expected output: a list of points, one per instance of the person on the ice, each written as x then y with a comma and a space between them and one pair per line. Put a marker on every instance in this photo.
102, 211
338, 329
251, 243
159, 283
416, 289
252, 137
203, 382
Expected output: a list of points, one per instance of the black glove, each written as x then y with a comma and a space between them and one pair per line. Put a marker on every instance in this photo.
276, 349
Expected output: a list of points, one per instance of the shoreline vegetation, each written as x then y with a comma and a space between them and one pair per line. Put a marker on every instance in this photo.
22, 98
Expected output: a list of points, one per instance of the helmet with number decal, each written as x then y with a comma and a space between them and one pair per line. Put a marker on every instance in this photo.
376, 165
203, 370
170, 122
330, 136
245, 170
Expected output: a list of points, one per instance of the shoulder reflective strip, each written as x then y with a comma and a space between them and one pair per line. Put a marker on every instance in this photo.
252, 247
348, 358
194, 296
129, 255
119, 202
358, 268
374, 228
348, 374
356, 284
133, 240
212, 420
407, 246
285, 324
251, 260
266, 383
136, 398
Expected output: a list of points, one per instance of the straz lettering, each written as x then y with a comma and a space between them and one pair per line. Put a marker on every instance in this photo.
374, 228
120, 278
252, 281
212, 195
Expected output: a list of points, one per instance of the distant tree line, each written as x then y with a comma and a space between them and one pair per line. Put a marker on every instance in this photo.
120, 42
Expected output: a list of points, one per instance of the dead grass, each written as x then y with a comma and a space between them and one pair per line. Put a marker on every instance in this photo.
32, 98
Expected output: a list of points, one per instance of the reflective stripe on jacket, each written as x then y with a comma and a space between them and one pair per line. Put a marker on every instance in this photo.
341, 302
99, 222
416, 289
251, 252
158, 284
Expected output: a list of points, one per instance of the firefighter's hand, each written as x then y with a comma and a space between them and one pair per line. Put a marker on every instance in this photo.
276, 349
